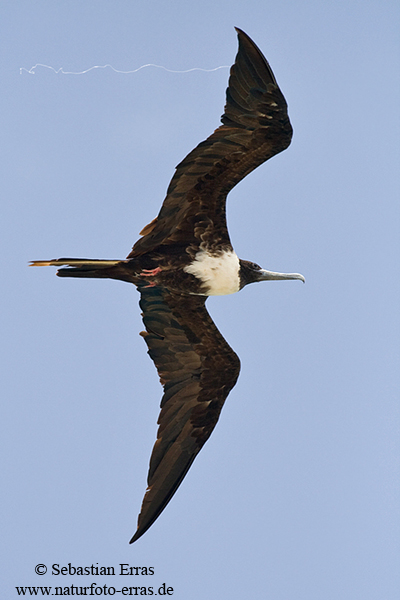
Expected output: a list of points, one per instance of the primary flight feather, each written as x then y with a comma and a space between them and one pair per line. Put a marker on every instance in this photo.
184, 256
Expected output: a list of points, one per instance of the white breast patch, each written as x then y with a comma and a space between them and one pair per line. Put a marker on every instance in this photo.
220, 274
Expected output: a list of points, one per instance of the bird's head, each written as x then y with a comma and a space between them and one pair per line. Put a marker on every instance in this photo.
250, 272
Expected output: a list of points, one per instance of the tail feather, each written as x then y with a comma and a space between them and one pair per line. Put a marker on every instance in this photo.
78, 267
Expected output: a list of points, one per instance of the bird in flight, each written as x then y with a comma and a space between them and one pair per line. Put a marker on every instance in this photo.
184, 256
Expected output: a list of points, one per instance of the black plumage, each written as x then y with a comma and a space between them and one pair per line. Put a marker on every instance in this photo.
185, 255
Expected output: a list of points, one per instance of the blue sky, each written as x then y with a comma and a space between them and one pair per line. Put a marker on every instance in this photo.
295, 495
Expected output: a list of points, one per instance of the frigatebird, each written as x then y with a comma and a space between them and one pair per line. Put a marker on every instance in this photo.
184, 256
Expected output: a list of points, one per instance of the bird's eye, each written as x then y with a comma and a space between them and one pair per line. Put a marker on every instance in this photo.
255, 266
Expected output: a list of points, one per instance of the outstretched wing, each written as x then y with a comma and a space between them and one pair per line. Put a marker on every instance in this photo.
255, 127
197, 369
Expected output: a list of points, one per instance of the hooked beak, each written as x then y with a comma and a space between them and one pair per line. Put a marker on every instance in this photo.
264, 275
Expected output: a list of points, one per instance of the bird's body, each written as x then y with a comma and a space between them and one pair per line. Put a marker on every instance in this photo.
184, 256
219, 273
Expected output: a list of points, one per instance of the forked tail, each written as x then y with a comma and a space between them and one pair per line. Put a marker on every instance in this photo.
79, 267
